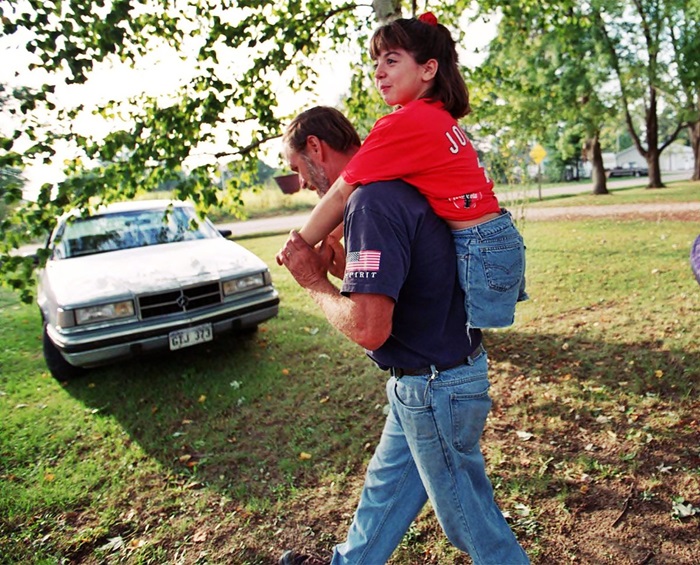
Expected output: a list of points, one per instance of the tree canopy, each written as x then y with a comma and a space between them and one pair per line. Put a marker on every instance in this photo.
561, 70
589, 64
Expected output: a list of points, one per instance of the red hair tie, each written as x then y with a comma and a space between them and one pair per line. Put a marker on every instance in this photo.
428, 18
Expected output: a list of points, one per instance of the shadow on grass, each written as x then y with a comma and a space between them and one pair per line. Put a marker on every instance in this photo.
615, 441
243, 413
255, 418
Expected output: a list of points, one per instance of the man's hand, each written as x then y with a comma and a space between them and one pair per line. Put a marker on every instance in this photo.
365, 318
308, 266
334, 254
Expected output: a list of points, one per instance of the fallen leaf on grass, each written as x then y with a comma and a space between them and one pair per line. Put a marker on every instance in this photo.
522, 509
49, 477
304, 456
525, 436
113, 544
200, 536
682, 510
202, 398
658, 373
661, 468
285, 372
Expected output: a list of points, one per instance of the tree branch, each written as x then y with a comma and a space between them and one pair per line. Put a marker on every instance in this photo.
623, 90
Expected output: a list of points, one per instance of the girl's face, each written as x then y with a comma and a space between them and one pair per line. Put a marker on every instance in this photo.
400, 79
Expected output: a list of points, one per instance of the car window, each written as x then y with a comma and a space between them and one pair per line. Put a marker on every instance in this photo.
125, 230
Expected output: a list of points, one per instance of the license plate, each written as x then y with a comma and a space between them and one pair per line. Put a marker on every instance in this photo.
190, 336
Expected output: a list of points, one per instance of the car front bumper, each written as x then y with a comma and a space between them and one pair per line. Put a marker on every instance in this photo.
107, 344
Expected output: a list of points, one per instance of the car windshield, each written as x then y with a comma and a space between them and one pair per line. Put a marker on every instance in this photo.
125, 230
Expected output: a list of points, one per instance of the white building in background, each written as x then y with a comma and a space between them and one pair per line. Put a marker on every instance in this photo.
676, 158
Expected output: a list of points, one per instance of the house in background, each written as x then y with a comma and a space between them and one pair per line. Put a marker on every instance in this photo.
676, 158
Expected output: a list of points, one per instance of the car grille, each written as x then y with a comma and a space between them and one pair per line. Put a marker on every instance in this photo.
176, 301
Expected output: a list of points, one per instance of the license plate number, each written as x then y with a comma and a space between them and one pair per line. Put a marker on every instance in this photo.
190, 336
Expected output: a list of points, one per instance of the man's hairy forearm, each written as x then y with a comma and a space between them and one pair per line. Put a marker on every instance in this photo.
353, 316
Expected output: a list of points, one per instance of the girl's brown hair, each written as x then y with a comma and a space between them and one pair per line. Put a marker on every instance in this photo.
426, 41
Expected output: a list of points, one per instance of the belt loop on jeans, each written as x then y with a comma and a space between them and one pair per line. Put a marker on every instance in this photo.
433, 370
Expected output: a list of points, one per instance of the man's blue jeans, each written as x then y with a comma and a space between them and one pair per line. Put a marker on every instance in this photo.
429, 449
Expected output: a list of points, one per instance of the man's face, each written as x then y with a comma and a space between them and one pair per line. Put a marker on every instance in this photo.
312, 175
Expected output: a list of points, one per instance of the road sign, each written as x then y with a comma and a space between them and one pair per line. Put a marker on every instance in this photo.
538, 154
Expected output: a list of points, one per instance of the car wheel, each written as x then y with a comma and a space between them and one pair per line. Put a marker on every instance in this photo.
59, 368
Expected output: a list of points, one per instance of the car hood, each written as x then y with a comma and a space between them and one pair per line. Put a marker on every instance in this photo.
81, 280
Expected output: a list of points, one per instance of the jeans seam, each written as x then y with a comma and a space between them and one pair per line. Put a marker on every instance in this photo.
385, 515
449, 463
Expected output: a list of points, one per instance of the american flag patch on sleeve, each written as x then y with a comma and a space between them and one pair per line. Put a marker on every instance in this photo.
362, 261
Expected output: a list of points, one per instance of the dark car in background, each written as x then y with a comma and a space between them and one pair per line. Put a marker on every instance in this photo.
629, 170
144, 276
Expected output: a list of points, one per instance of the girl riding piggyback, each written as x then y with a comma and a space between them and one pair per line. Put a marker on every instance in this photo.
420, 142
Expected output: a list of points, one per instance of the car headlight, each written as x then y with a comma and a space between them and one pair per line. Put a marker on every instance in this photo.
244, 283
103, 312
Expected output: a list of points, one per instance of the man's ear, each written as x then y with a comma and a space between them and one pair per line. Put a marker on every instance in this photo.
314, 145
430, 69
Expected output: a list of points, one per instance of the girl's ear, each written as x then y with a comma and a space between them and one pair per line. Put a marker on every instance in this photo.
430, 69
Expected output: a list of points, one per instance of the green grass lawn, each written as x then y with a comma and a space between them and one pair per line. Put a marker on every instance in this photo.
674, 192
232, 452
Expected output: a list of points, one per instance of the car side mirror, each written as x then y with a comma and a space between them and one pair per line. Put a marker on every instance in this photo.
226, 233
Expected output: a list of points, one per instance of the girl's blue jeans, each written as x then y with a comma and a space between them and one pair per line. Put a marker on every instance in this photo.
429, 450
491, 267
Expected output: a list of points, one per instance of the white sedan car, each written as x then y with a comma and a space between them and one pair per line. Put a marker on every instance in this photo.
143, 276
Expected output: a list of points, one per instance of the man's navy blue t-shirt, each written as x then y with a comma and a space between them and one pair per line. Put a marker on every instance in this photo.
397, 246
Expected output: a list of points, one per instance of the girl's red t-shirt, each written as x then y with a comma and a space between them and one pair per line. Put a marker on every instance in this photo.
422, 144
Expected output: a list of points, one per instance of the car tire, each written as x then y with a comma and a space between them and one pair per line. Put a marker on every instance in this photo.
59, 368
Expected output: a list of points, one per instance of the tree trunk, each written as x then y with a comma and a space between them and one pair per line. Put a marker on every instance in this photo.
595, 156
654, 168
653, 153
695, 144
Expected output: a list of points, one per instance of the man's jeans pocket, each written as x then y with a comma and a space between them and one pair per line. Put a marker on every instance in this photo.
469, 413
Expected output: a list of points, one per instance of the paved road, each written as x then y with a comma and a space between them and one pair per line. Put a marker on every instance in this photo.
286, 223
